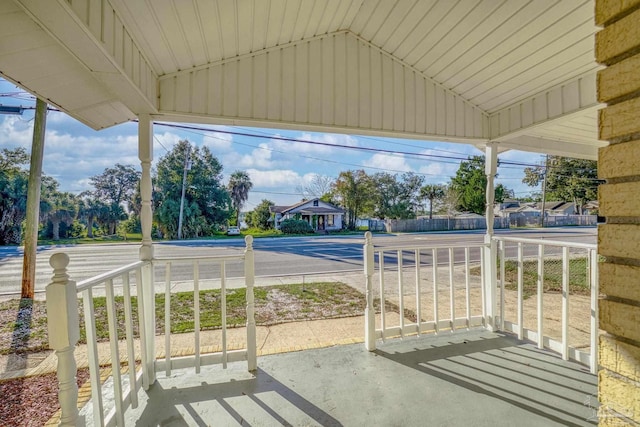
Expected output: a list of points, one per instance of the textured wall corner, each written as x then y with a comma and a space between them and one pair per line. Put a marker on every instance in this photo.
618, 47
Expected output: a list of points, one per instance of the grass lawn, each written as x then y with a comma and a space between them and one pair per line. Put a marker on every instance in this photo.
23, 323
578, 276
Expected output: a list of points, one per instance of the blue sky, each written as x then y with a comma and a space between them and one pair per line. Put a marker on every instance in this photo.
74, 152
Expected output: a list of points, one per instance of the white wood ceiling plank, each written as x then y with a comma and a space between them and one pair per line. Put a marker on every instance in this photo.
421, 102
15, 23
302, 82
199, 91
245, 86
18, 42
450, 118
331, 8
108, 37
410, 23
392, 22
228, 28
315, 81
183, 93
215, 90
377, 85
541, 81
528, 55
275, 22
289, 19
288, 84
190, 24
352, 76
462, 18
340, 80
571, 96
244, 17
118, 40
95, 18
441, 111
377, 19
305, 11
409, 91
468, 120
81, 9
412, 49
365, 84
210, 24
165, 12
350, 14
230, 87
328, 71
363, 15
274, 85
398, 96
463, 61
127, 54
387, 93
260, 94
431, 108
526, 110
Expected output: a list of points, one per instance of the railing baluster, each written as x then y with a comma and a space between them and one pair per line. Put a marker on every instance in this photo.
502, 282
436, 316
400, 292
196, 313
482, 289
223, 307
540, 295
112, 320
520, 293
128, 325
142, 329
565, 303
452, 291
92, 356
593, 260
467, 286
418, 295
382, 300
167, 318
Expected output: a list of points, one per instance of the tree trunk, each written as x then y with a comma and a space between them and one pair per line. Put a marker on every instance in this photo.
90, 227
430, 208
55, 229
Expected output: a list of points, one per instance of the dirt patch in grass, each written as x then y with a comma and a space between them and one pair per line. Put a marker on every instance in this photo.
23, 323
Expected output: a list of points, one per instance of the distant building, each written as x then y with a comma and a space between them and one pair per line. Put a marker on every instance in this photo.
320, 215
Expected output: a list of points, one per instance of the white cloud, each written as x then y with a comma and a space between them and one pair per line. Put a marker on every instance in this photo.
217, 141
15, 132
274, 178
258, 158
391, 163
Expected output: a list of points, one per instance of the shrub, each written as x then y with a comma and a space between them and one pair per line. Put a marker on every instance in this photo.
295, 226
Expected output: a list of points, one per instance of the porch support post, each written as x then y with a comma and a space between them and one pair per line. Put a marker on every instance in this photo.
369, 314
490, 248
146, 291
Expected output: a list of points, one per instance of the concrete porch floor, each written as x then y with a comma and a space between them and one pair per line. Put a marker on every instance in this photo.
471, 378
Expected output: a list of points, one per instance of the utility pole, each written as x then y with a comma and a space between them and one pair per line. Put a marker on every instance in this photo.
544, 189
187, 166
33, 201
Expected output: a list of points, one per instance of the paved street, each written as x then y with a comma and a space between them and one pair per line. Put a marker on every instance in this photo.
274, 256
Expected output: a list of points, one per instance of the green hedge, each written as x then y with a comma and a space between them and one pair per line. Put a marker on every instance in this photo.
295, 226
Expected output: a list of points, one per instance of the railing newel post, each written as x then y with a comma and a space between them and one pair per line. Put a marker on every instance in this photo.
249, 273
369, 314
64, 333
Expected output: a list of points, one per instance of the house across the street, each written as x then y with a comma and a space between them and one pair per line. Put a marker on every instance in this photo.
320, 215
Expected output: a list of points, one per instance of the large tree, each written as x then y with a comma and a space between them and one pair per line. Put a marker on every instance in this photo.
207, 203
567, 179
116, 185
318, 187
239, 186
432, 193
13, 194
396, 197
259, 217
354, 191
470, 183
62, 208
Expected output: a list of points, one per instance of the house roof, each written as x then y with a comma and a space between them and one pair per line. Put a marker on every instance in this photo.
329, 209
518, 72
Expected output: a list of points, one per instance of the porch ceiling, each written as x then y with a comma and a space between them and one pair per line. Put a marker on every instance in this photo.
518, 72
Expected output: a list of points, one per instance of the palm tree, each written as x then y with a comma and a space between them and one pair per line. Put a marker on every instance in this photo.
239, 186
63, 208
432, 192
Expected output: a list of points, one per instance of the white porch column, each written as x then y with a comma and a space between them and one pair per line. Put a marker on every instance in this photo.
490, 248
145, 154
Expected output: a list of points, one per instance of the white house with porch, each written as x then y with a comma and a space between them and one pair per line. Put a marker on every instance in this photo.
320, 215
498, 75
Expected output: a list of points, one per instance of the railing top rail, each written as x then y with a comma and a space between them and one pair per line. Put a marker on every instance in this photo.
546, 242
218, 258
101, 278
423, 247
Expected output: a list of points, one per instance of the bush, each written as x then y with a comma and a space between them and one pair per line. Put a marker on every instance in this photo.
295, 226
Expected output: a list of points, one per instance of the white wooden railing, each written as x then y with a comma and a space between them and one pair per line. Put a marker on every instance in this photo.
443, 285
64, 332
547, 252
